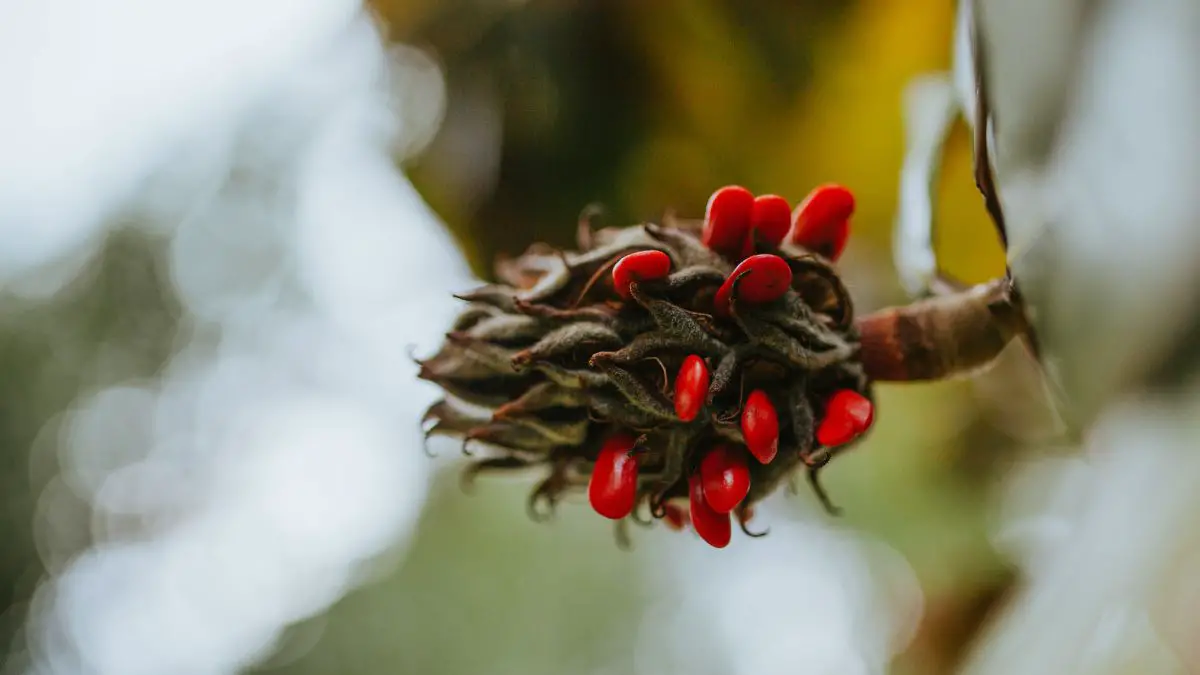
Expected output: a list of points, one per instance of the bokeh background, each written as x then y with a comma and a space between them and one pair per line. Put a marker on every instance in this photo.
155, 346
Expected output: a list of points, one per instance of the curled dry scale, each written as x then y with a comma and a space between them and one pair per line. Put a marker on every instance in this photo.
686, 370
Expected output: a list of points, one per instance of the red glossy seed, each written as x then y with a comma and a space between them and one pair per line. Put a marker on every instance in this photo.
847, 416
760, 426
821, 223
640, 266
727, 219
714, 528
725, 477
612, 489
675, 517
770, 219
763, 278
691, 388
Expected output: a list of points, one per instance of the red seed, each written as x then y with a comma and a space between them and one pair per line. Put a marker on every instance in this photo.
727, 219
760, 426
763, 278
675, 517
821, 223
768, 278
770, 219
691, 388
847, 416
612, 489
714, 528
640, 266
725, 478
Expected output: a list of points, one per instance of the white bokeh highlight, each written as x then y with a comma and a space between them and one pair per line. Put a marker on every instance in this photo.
1096, 168
245, 487
809, 598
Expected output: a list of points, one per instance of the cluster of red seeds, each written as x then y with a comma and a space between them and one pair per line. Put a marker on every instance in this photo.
736, 224
691, 366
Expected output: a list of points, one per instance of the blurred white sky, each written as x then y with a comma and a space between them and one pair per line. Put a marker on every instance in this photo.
274, 455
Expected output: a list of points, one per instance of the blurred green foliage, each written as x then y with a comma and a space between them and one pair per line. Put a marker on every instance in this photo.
113, 323
486, 591
644, 107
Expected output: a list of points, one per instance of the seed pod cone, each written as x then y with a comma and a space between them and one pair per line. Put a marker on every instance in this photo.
552, 361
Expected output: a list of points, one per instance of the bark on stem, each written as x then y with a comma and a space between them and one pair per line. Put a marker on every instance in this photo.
941, 337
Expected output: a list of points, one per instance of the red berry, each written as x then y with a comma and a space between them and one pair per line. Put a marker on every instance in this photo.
640, 266
770, 219
821, 222
612, 489
727, 219
712, 527
761, 278
760, 426
847, 416
725, 478
675, 517
691, 388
